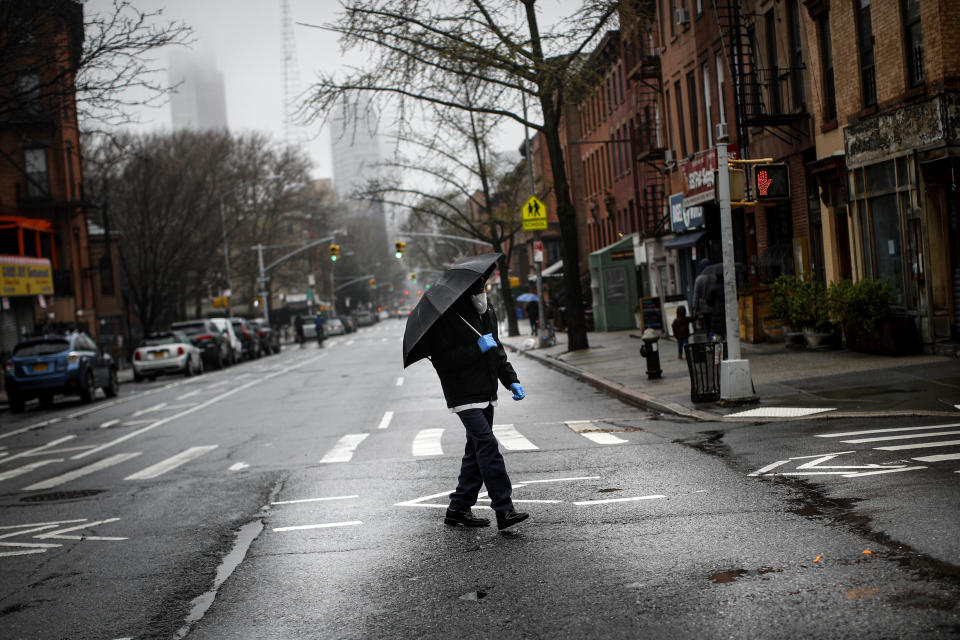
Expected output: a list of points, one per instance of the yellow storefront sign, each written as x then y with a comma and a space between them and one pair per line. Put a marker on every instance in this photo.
21, 276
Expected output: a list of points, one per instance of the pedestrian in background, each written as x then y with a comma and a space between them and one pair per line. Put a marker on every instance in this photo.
701, 309
469, 369
533, 312
318, 323
298, 329
681, 329
718, 314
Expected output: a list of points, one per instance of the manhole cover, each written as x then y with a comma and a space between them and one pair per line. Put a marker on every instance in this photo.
62, 495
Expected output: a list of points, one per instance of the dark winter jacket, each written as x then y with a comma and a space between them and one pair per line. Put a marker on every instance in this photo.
466, 374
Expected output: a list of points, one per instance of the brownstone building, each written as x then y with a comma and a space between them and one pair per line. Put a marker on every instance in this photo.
49, 276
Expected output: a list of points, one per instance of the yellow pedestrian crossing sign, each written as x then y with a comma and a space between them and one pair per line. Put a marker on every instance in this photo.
534, 215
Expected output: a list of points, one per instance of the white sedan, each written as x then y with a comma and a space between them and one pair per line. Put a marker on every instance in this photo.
166, 352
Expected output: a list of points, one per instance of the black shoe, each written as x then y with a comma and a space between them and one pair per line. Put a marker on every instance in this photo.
509, 518
464, 519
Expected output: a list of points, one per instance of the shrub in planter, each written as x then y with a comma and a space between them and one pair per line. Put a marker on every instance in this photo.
783, 291
863, 310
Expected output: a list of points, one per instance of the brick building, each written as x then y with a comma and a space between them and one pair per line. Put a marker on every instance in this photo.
43, 212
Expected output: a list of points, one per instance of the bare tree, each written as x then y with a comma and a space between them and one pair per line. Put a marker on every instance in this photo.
418, 48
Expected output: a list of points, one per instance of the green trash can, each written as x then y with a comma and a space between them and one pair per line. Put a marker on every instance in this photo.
703, 361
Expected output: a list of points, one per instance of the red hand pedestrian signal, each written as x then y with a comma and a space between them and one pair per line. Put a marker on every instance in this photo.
763, 183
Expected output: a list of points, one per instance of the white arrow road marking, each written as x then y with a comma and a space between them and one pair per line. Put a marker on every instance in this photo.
588, 502
27, 468
326, 525
921, 445
314, 499
344, 449
939, 458
170, 463
844, 434
385, 421
109, 423
815, 467
42, 447
195, 408
875, 473
511, 439
82, 471
427, 442
419, 502
37, 547
933, 434
238, 466
58, 534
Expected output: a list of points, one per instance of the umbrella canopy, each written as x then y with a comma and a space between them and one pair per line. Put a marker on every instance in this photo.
454, 282
527, 297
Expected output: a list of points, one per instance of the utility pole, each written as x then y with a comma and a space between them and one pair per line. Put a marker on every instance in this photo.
541, 335
226, 256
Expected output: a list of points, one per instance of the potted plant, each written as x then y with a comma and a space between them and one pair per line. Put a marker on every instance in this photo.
864, 311
782, 306
820, 333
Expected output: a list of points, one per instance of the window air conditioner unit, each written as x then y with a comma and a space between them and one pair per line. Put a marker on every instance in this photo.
668, 157
683, 16
722, 131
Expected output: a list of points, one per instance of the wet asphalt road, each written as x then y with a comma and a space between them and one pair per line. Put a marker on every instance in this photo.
332, 464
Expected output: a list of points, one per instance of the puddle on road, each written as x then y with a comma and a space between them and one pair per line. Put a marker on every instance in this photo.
729, 576
245, 537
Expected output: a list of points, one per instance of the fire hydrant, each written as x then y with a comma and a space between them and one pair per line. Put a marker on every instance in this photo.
651, 351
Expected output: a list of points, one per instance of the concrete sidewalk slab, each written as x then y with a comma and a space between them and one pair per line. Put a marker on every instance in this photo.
842, 383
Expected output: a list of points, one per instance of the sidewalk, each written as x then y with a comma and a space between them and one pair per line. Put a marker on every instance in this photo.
789, 383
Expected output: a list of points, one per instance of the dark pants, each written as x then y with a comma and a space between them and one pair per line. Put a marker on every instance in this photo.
482, 464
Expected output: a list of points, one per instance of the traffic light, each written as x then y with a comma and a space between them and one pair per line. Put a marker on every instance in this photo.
334, 252
373, 283
413, 277
400, 247
771, 181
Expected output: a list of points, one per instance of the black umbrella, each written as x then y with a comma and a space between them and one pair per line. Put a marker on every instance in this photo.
454, 282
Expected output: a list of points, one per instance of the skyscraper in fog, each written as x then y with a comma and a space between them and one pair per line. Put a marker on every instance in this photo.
356, 146
199, 100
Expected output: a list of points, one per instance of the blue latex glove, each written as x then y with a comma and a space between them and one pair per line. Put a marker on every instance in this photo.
518, 393
486, 342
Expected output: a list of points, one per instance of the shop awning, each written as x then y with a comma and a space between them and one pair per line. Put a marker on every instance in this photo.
684, 240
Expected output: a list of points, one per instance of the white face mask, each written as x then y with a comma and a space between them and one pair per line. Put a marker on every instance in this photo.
479, 302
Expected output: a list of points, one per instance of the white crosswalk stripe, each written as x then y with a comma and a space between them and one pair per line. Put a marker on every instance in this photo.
427, 443
100, 465
27, 468
920, 435
170, 463
590, 431
511, 439
344, 449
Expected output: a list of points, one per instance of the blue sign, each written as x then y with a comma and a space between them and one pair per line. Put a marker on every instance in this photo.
683, 218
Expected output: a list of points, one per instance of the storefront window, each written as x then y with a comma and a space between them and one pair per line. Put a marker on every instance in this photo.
884, 224
881, 177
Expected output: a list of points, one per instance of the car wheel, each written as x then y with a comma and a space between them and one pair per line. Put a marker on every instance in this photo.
16, 401
113, 387
137, 377
188, 370
89, 390
218, 363
46, 400
201, 368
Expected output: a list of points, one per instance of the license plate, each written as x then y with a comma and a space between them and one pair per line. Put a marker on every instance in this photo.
159, 354
42, 366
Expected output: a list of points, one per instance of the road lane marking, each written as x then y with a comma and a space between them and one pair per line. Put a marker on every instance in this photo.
780, 412
56, 481
189, 394
171, 463
385, 421
239, 466
427, 442
933, 434
938, 458
590, 502
36, 425
60, 450
349, 342
874, 473
156, 407
921, 445
860, 433
603, 438
511, 439
314, 499
195, 408
58, 534
27, 468
109, 423
344, 449
326, 525
400, 381
42, 447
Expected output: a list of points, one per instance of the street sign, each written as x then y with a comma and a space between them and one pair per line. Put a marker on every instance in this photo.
534, 215
538, 251
221, 302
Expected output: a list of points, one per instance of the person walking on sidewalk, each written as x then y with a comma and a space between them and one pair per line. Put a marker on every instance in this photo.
469, 369
718, 313
681, 329
533, 313
701, 309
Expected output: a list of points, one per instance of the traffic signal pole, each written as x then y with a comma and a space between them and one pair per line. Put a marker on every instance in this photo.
538, 264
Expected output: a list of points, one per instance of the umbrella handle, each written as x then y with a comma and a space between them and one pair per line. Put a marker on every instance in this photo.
469, 325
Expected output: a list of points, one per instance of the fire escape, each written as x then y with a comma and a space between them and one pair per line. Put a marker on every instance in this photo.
768, 95
647, 145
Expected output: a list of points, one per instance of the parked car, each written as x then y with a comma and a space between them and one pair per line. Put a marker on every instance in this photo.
166, 352
334, 327
365, 318
383, 314
269, 337
65, 363
309, 329
403, 312
209, 339
349, 323
248, 338
236, 345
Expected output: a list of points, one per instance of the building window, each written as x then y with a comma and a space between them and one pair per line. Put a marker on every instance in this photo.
721, 91
37, 174
681, 126
773, 65
868, 75
672, 18
796, 54
694, 110
668, 124
914, 41
707, 106
28, 92
826, 66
